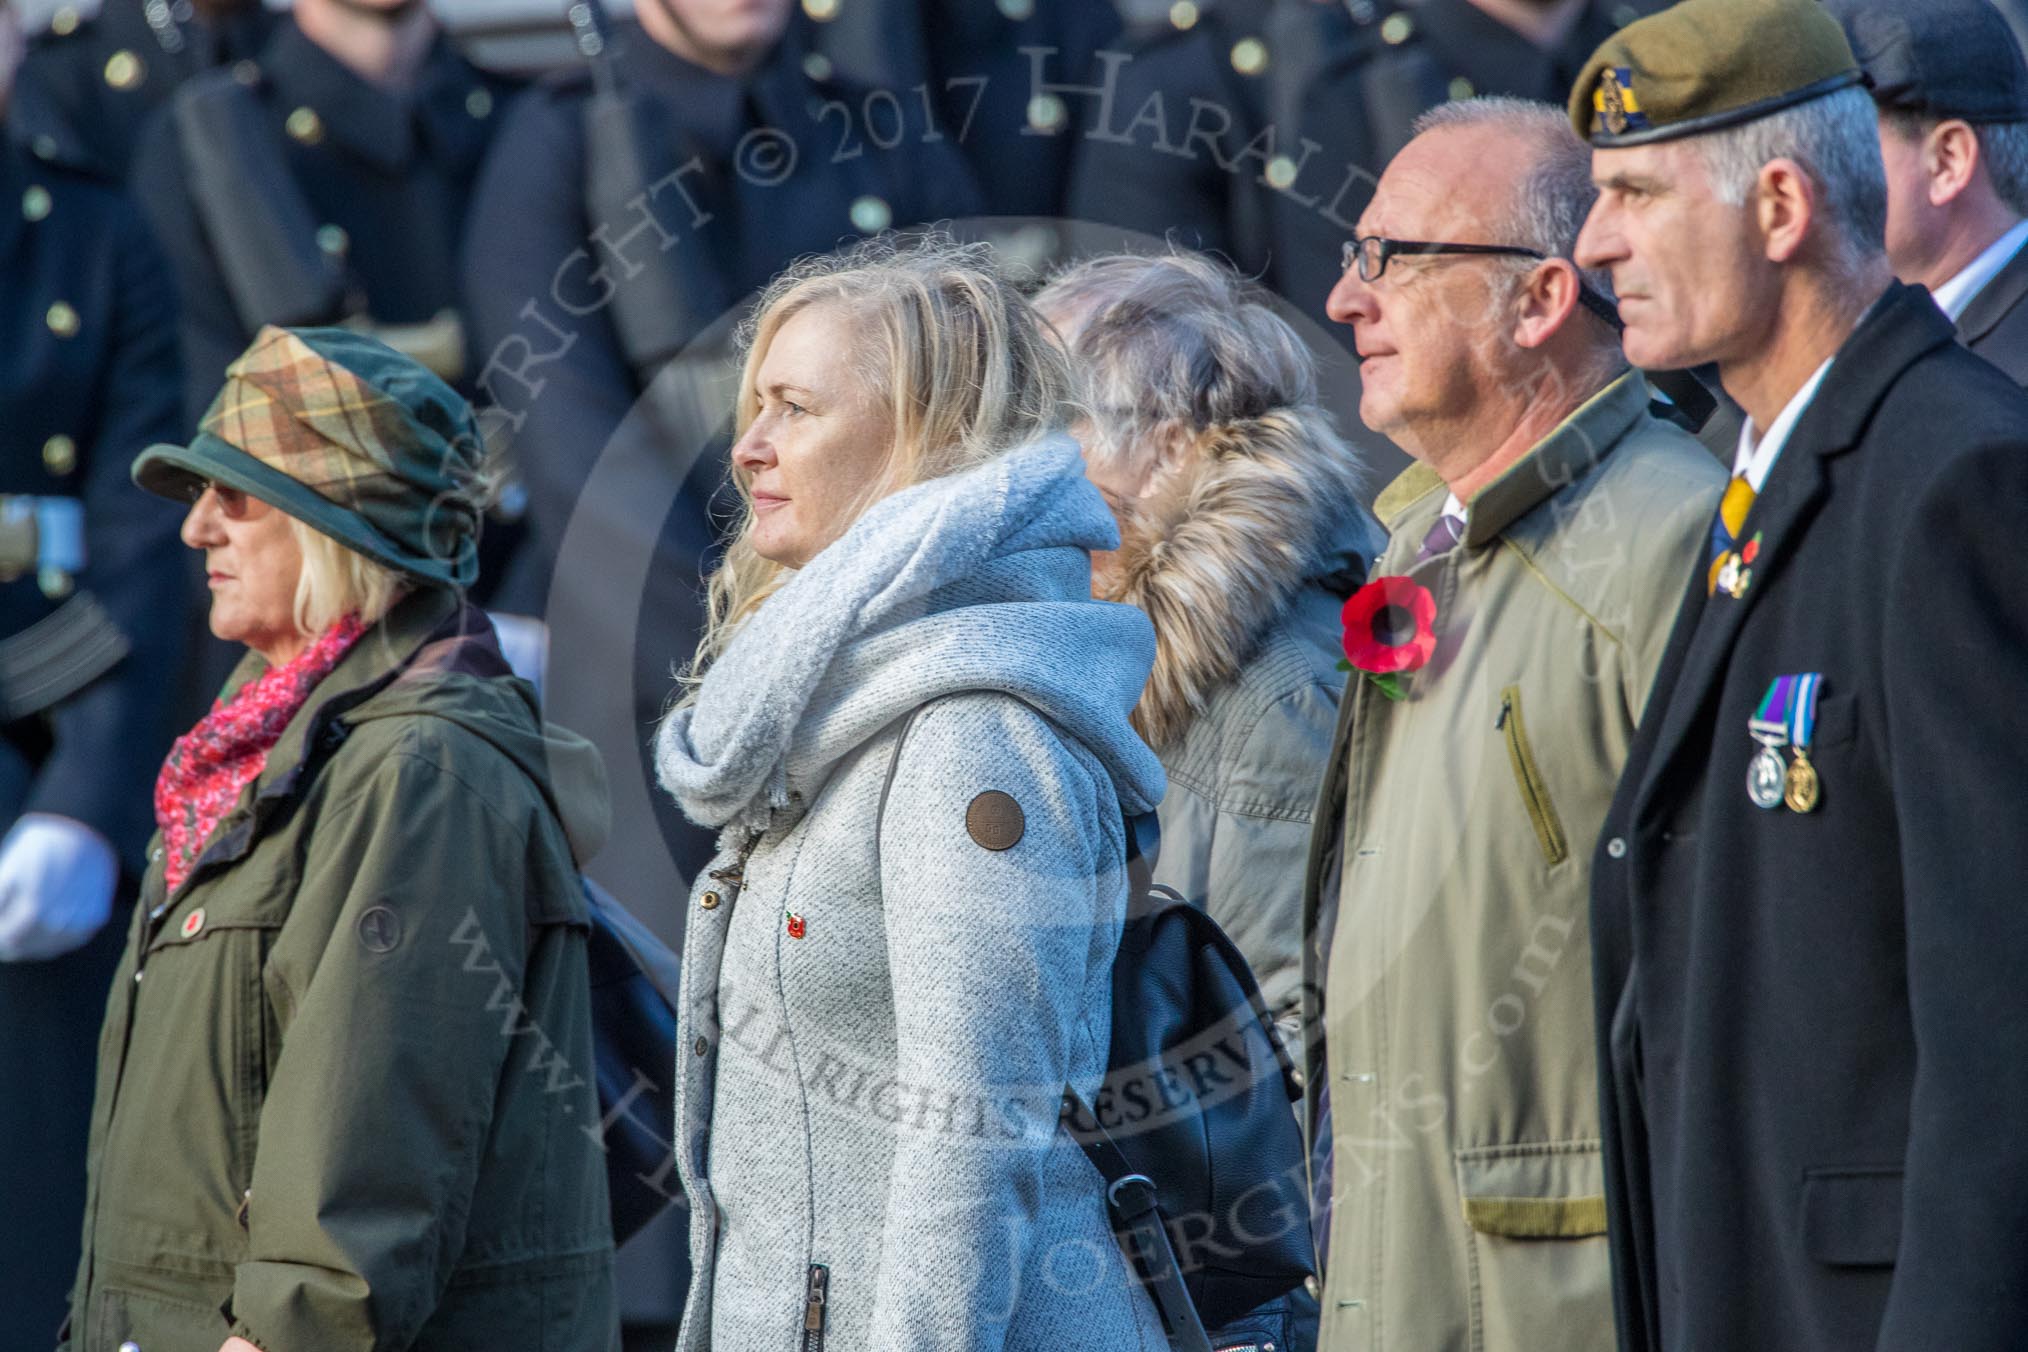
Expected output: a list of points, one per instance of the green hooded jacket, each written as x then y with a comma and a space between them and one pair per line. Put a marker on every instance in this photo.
345, 1095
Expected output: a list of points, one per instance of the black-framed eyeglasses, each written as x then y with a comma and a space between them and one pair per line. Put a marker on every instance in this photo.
1369, 254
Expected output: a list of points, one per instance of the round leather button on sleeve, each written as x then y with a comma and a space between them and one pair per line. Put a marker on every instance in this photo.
703, 1046
995, 821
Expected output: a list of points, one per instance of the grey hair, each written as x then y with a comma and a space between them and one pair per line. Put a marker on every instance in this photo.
1181, 341
1556, 193
2002, 145
1836, 140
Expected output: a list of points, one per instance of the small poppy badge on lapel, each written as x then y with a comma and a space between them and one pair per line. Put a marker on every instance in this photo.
796, 927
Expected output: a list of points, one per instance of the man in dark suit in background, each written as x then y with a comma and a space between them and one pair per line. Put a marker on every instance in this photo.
1952, 89
1808, 929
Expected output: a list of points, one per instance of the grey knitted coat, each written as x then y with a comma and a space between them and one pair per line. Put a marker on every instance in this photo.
879, 1019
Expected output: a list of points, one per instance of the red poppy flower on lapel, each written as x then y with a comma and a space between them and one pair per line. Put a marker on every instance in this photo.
1390, 628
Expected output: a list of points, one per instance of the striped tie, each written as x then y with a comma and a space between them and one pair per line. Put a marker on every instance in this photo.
1732, 510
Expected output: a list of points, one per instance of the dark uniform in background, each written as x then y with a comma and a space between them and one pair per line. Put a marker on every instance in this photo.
987, 93
1389, 65
1297, 107
94, 604
103, 76
1197, 129
352, 201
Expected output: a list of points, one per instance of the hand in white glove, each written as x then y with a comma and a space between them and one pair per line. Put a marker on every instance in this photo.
56, 886
524, 642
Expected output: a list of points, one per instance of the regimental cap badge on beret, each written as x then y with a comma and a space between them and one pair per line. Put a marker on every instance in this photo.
1615, 105
1704, 65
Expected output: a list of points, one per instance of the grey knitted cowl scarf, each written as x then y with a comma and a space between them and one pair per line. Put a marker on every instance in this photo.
977, 581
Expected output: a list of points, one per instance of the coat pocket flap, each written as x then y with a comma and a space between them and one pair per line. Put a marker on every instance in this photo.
1555, 1190
240, 904
1852, 1217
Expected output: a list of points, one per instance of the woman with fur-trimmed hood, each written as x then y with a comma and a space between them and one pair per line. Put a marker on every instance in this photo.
1242, 534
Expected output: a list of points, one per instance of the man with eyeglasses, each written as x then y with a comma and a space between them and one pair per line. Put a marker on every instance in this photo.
1551, 519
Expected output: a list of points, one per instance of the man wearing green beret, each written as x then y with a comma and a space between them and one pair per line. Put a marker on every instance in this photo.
1807, 937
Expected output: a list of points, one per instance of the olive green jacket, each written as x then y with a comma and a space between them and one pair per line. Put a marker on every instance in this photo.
1447, 960
345, 1075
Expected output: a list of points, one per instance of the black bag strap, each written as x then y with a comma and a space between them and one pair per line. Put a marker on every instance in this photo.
1135, 1207
274, 270
1131, 1198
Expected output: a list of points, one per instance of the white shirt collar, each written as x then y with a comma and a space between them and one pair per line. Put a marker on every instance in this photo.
1956, 294
1452, 507
1757, 454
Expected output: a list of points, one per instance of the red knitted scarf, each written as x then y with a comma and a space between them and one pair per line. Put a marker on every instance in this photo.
212, 763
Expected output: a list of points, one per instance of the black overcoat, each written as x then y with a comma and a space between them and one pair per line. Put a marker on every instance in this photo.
1817, 1045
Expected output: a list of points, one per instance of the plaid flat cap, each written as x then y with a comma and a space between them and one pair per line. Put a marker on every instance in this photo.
349, 436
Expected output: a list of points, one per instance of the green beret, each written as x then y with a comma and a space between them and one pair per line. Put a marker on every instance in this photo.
1703, 65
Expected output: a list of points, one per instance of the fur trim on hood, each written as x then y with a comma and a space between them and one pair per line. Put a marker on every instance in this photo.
1215, 558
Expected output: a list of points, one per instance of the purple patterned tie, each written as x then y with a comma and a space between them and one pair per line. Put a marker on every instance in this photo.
1443, 537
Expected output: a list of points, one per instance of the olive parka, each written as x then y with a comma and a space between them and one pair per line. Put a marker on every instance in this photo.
344, 1099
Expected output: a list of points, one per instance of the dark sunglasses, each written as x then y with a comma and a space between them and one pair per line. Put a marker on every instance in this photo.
1368, 254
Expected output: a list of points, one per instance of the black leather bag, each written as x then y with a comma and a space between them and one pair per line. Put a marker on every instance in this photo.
1196, 1101
634, 981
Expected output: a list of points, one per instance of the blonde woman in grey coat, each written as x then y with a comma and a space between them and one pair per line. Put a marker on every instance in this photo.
1242, 535
902, 953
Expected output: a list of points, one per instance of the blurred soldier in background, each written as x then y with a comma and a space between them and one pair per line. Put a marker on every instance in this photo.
1952, 90
103, 74
1390, 62
92, 620
1198, 137
325, 182
1259, 127
987, 70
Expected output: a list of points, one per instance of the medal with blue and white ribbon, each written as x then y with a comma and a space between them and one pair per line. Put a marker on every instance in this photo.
1802, 789
1767, 775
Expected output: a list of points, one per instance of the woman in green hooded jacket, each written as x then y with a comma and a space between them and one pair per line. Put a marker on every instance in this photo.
345, 1099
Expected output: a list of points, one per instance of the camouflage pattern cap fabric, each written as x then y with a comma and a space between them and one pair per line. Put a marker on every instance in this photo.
1703, 65
351, 437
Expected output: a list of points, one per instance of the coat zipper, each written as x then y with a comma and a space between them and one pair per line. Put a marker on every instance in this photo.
1534, 793
813, 1307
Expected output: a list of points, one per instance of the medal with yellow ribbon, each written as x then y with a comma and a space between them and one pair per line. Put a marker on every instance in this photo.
1803, 789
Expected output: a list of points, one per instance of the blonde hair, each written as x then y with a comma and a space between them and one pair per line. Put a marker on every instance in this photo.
337, 581
961, 358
